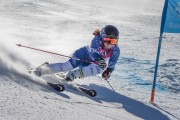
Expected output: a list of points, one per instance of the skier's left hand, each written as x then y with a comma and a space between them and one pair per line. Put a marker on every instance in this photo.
106, 74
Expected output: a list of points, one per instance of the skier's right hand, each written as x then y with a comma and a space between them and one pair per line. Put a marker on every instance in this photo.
101, 63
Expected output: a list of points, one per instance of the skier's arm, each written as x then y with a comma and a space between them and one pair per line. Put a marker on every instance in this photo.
95, 42
114, 58
112, 62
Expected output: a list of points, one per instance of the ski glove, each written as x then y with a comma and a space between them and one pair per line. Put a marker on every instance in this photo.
96, 32
101, 63
106, 74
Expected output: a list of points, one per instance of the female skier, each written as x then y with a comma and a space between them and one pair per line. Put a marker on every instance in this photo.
98, 58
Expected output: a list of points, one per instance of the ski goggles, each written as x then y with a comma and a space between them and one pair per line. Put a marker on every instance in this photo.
111, 41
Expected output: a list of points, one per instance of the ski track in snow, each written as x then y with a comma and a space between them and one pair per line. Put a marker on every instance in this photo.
63, 26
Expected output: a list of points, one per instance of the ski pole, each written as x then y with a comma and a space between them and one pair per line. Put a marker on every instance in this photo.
19, 45
111, 86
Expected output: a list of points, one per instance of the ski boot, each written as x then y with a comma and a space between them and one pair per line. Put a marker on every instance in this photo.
73, 74
41, 70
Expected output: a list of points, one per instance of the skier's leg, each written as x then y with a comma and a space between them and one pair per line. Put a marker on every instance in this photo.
61, 67
81, 54
73, 74
42, 69
47, 68
90, 70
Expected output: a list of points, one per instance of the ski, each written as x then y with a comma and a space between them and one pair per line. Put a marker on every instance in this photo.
60, 88
89, 92
57, 87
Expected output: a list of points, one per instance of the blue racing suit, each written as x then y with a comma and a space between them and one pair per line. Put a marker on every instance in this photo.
94, 52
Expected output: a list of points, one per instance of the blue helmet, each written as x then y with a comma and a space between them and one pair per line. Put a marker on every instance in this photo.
109, 31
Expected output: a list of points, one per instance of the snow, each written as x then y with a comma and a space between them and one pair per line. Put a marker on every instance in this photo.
63, 26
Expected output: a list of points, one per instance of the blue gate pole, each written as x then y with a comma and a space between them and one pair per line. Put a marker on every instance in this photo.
156, 69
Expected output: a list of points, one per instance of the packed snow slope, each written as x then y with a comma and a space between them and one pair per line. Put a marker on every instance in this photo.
63, 26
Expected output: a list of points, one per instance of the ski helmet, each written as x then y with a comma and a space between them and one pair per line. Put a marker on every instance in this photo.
110, 31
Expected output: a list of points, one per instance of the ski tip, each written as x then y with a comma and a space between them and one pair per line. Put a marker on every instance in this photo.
89, 92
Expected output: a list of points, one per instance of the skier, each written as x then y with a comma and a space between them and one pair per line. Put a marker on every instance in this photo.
103, 49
